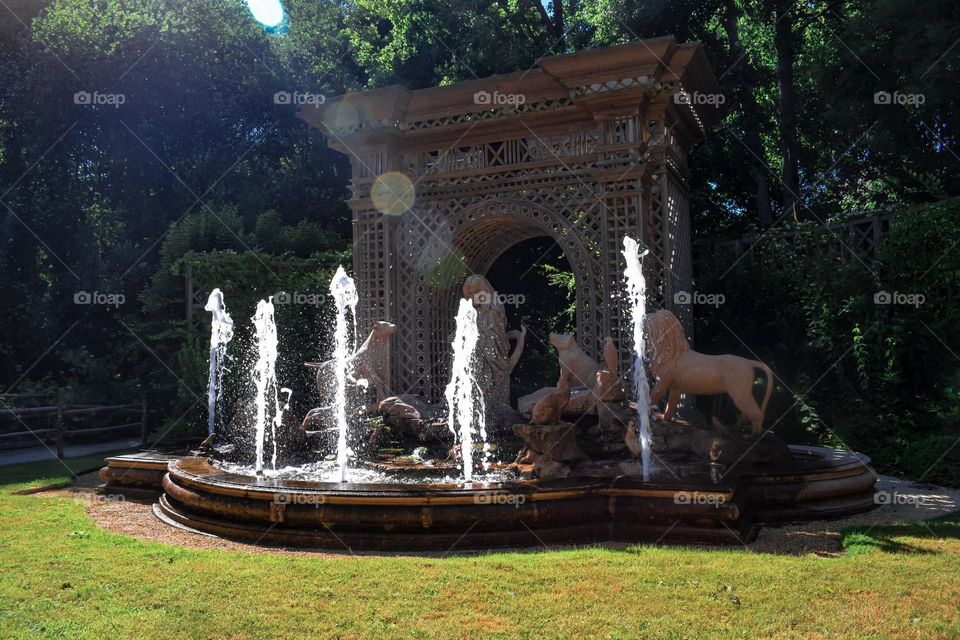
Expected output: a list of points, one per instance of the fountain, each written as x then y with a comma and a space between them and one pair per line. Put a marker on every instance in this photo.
563, 468
567, 485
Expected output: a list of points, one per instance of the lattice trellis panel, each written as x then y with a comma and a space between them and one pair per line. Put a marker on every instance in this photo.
372, 254
623, 216
475, 202
422, 259
441, 245
501, 153
659, 233
678, 260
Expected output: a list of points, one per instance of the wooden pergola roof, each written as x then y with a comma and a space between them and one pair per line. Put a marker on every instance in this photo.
559, 92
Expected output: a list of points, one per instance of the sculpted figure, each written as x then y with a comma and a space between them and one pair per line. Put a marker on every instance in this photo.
608, 387
681, 370
371, 362
583, 370
494, 359
593, 388
549, 409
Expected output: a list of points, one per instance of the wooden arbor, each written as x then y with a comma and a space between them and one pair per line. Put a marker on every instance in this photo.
584, 148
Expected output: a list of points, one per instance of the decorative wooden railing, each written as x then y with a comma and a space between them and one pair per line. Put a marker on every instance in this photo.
56, 429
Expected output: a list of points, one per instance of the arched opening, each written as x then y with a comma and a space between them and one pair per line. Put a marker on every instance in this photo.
535, 281
470, 242
531, 258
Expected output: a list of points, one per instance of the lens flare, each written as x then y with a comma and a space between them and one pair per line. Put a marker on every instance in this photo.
392, 193
269, 13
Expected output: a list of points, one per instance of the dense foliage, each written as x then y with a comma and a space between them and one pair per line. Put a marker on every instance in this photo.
864, 348
139, 137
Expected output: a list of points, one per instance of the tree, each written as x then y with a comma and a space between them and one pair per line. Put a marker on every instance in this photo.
148, 112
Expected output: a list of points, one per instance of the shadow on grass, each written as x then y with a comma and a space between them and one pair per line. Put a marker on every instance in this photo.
892, 538
49, 474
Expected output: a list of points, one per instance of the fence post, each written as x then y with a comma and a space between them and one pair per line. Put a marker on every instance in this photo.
59, 427
143, 420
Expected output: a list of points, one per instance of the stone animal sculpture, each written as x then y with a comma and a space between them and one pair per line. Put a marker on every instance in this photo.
549, 409
679, 369
411, 415
583, 370
607, 387
593, 389
371, 362
551, 449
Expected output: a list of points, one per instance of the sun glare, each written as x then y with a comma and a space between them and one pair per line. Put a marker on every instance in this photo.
269, 13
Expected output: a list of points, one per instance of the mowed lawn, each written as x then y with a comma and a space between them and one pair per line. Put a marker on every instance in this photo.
62, 577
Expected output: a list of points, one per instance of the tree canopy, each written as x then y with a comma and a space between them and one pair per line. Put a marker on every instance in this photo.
133, 133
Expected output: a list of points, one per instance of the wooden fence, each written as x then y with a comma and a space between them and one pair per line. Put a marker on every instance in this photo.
56, 430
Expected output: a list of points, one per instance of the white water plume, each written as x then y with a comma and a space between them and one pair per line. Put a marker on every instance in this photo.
462, 410
344, 293
221, 332
264, 373
637, 299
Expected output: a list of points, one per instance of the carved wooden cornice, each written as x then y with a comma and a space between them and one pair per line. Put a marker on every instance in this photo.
640, 76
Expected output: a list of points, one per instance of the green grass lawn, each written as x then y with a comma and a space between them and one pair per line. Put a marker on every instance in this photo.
62, 577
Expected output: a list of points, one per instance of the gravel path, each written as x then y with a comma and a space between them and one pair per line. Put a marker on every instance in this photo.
899, 500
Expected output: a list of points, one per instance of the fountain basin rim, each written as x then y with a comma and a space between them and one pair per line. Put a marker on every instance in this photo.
199, 473
824, 463
404, 517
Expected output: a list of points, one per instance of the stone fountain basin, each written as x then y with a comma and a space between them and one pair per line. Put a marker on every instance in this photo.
441, 517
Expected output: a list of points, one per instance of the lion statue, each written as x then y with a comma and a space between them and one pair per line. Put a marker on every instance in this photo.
679, 369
